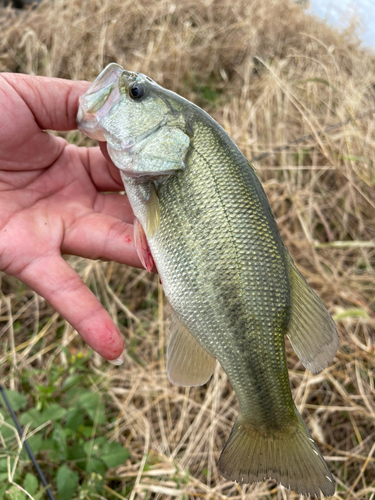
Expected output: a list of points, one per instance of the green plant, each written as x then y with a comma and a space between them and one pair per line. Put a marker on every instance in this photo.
67, 429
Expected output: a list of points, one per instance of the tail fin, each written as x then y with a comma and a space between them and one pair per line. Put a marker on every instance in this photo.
290, 457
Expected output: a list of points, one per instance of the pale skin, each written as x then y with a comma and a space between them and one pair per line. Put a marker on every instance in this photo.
52, 202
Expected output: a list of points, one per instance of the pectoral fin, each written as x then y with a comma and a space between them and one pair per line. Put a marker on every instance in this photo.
152, 213
188, 364
141, 245
311, 331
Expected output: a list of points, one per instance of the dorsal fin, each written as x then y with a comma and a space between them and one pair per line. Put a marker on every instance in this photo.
188, 364
311, 330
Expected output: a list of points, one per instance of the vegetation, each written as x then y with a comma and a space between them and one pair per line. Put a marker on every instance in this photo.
269, 74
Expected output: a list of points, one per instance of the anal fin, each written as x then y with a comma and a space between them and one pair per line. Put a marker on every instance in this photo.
188, 364
311, 330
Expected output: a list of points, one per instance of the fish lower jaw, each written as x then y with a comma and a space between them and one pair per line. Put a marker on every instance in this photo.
89, 127
143, 177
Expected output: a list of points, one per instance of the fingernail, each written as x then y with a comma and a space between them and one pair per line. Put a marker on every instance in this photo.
118, 361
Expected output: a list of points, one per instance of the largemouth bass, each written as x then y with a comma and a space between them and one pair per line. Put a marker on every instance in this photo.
201, 215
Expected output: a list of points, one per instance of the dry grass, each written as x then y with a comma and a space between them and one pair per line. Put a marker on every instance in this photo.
269, 74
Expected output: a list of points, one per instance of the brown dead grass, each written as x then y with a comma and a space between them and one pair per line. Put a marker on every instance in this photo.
269, 74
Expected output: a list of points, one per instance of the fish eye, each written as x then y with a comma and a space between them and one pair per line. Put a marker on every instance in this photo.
136, 91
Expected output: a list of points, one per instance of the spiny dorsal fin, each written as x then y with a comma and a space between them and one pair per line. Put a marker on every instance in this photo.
311, 330
188, 364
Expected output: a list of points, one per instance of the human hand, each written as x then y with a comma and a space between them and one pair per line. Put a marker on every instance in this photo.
52, 202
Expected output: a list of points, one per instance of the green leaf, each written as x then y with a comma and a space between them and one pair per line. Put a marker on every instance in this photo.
89, 400
73, 393
35, 418
111, 454
7, 432
14, 494
95, 465
67, 482
78, 455
72, 380
59, 439
74, 418
41, 494
45, 390
47, 445
35, 443
93, 406
2, 491
30, 483
96, 446
17, 400
114, 454
87, 431
32, 417
54, 456
54, 412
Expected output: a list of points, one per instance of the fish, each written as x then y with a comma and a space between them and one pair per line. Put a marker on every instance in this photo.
203, 220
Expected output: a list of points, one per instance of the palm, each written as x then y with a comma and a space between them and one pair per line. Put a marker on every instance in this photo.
52, 202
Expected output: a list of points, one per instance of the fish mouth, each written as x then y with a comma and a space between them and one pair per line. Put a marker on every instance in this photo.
102, 95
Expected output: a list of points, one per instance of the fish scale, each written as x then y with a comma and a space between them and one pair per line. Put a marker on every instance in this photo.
257, 280
202, 214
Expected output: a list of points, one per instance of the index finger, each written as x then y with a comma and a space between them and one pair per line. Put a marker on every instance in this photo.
53, 101
68, 294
